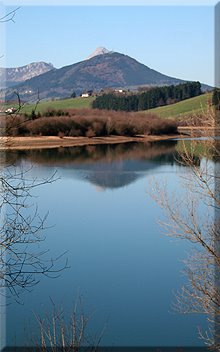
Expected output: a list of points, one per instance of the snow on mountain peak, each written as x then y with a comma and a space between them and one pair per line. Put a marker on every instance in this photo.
99, 51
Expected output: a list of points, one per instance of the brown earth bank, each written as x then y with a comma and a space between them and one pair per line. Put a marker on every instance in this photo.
46, 142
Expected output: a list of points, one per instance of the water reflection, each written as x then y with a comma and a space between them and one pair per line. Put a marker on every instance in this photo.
119, 260
105, 166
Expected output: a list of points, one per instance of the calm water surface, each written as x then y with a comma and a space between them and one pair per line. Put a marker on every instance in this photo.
121, 264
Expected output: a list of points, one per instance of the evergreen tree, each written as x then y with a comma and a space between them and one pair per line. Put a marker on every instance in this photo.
216, 98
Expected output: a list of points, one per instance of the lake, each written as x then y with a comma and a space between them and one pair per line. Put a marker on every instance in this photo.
120, 263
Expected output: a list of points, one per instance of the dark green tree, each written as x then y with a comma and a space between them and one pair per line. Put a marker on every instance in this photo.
216, 98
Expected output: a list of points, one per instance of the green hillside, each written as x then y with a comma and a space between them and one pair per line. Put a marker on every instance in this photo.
195, 105
76, 103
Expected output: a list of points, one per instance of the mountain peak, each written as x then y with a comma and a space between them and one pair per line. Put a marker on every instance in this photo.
15, 75
99, 51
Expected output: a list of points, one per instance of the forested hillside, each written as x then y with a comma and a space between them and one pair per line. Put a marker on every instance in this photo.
149, 99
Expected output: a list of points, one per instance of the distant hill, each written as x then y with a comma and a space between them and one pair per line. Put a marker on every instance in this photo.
10, 77
103, 70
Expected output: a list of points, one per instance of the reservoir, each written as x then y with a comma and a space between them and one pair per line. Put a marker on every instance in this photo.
122, 270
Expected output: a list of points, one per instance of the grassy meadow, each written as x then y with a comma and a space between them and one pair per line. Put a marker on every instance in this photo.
62, 104
196, 105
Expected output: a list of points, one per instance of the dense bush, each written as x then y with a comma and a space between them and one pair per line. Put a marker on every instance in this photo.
91, 123
16, 126
163, 127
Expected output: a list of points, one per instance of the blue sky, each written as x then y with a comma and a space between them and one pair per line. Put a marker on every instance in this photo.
175, 40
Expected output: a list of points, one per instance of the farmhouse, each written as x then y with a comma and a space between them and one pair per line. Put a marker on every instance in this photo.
87, 94
120, 91
10, 111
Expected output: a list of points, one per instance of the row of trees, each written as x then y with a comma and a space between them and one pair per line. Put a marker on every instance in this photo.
152, 98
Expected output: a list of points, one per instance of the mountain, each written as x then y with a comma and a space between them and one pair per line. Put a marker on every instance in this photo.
105, 70
10, 77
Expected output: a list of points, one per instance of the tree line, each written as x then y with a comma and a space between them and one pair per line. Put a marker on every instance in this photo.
152, 98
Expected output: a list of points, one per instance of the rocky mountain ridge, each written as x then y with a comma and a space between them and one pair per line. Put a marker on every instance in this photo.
10, 77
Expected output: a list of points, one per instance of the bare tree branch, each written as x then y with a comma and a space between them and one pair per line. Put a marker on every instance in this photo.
194, 216
21, 260
67, 333
9, 17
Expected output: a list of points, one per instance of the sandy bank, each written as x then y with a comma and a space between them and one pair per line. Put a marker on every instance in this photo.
46, 142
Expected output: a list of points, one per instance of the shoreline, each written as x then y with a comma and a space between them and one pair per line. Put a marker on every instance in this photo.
48, 142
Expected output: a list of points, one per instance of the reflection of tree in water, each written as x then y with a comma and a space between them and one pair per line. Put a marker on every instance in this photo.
107, 166
93, 153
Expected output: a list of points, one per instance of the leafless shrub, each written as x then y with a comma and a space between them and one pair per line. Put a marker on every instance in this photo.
16, 125
90, 133
163, 127
205, 117
62, 333
93, 123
